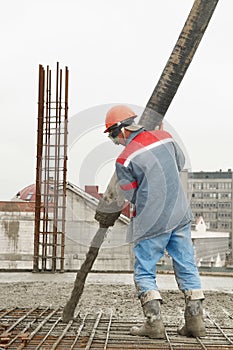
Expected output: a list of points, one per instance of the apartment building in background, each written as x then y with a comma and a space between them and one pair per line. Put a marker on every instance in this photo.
211, 196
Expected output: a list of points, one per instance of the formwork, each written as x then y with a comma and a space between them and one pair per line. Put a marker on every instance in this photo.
42, 328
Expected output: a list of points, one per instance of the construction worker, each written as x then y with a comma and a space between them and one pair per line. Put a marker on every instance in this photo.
148, 174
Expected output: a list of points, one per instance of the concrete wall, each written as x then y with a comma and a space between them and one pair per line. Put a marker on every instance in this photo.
114, 254
16, 235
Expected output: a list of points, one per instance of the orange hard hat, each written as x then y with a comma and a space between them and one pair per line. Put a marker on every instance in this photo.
118, 114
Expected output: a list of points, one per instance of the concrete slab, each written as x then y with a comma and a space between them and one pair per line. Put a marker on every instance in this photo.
164, 281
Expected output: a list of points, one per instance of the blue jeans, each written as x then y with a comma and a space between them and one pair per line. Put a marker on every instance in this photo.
179, 245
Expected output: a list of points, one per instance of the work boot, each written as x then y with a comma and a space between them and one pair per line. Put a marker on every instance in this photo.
153, 326
194, 322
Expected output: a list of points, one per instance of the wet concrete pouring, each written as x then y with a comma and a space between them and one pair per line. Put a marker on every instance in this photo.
31, 318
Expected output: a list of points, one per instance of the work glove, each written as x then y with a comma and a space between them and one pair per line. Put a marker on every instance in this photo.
107, 213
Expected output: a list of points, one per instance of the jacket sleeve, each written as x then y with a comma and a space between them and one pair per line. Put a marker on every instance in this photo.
180, 158
127, 182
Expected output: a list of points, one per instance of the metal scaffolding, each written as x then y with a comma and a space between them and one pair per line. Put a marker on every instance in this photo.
51, 169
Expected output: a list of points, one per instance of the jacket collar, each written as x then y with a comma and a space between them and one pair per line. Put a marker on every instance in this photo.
133, 135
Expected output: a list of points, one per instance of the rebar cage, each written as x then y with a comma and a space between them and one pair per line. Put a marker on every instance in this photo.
51, 169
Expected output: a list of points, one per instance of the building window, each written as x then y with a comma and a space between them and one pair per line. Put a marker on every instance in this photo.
225, 185
213, 225
210, 195
224, 225
224, 215
197, 186
224, 195
29, 196
213, 186
206, 186
224, 205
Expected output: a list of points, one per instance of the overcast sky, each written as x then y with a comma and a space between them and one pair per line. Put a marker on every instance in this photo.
115, 51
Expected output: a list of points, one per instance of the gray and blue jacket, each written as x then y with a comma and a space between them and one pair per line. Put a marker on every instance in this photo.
148, 173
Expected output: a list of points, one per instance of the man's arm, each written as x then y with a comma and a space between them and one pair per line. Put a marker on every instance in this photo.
180, 158
127, 182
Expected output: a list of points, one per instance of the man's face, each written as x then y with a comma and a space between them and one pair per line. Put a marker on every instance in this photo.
119, 139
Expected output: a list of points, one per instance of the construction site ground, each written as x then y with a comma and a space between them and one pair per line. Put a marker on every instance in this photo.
31, 308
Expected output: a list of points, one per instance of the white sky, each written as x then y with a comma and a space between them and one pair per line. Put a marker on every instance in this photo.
115, 51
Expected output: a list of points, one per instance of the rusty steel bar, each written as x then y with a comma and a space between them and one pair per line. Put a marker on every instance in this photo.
63, 333
64, 169
219, 328
50, 217
108, 331
7, 312
31, 335
48, 334
45, 149
38, 167
47, 155
168, 340
55, 180
20, 319
46, 167
59, 149
79, 332
88, 346
26, 328
43, 329
58, 146
201, 343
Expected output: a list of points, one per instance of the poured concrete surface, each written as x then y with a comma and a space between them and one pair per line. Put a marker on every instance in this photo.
164, 281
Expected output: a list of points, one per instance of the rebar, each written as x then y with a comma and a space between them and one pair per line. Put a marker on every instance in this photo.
50, 207
42, 328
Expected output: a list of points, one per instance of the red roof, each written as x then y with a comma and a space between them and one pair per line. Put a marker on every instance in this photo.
28, 193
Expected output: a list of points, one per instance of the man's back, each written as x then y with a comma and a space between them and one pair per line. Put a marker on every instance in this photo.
150, 163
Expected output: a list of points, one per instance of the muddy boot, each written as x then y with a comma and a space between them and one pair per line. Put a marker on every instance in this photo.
153, 326
194, 322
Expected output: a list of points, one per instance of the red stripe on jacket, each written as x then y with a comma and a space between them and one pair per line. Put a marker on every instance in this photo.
142, 140
129, 186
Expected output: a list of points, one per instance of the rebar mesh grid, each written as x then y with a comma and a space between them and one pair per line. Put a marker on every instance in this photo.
42, 328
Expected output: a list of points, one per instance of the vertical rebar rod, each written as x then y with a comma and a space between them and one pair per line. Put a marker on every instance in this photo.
64, 170
59, 193
55, 187
45, 150
51, 173
46, 168
38, 167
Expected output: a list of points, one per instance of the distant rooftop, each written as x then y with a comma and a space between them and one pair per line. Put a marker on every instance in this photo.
211, 174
